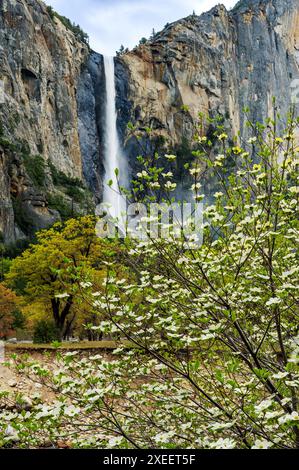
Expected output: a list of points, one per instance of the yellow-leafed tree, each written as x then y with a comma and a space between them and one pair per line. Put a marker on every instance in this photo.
53, 269
8, 306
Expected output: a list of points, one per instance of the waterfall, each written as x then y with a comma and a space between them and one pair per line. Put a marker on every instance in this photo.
113, 157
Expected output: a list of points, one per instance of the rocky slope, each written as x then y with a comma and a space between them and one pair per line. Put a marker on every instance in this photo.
54, 99
40, 66
218, 64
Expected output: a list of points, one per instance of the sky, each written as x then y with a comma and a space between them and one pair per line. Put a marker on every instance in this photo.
110, 23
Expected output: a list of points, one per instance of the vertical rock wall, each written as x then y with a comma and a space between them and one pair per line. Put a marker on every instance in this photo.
54, 99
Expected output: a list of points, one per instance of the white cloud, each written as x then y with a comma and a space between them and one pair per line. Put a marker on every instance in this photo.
115, 22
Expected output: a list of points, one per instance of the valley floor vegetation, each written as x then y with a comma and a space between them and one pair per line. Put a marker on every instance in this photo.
213, 330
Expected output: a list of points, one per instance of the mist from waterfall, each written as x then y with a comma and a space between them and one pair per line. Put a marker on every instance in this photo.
113, 157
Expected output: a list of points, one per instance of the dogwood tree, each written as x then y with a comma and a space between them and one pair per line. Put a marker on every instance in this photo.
212, 347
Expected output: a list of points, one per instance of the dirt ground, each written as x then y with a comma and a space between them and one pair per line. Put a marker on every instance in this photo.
11, 382
14, 383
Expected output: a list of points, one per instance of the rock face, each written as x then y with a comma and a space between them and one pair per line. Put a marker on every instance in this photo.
7, 226
54, 91
23, 208
217, 64
91, 112
41, 65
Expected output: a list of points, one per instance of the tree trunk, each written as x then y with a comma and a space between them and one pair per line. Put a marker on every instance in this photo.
60, 318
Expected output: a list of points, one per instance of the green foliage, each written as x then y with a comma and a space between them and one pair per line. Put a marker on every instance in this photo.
75, 28
13, 121
23, 148
185, 108
19, 320
35, 168
6, 143
66, 208
77, 194
45, 332
18, 284
122, 50
50, 271
214, 324
12, 250
5, 264
61, 179
51, 12
184, 156
34, 164
60, 204
8, 306
23, 221
72, 187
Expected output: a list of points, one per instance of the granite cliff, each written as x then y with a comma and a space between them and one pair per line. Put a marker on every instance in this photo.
217, 63
53, 96
40, 64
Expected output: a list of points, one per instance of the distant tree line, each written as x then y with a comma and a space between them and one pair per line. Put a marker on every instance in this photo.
76, 29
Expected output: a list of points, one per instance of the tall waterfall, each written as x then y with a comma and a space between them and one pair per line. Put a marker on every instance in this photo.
114, 158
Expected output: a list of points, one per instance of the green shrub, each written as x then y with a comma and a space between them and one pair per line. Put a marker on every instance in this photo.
45, 331
76, 29
51, 12
61, 179
4, 267
15, 249
184, 156
13, 121
19, 320
35, 168
73, 187
34, 164
6, 144
61, 205
75, 193
22, 220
